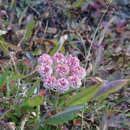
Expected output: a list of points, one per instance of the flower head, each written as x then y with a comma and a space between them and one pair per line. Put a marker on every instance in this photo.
62, 69
59, 72
72, 61
62, 84
45, 59
78, 71
58, 58
74, 82
49, 82
45, 70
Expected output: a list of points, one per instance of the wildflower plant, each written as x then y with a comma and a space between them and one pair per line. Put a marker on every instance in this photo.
59, 72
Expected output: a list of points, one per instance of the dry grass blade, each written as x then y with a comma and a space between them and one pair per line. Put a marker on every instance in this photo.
105, 30
111, 87
100, 51
6, 46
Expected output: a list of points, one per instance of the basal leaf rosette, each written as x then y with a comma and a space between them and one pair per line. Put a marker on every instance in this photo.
60, 73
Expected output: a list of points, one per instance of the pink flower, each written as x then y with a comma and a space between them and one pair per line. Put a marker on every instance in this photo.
72, 61
45, 70
74, 81
78, 71
62, 84
58, 58
59, 72
62, 69
49, 82
45, 59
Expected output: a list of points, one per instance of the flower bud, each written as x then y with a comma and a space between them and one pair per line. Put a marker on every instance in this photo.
45, 59
45, 70
78, 71
58, 58
49, 82
74, 82
62, 84
72, 61
62, 69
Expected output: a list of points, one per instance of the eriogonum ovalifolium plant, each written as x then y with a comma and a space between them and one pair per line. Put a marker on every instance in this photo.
59, 72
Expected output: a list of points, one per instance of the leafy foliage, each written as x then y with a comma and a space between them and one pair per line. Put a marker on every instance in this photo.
64, 116
84, 96
29, 29
33, 102
90, 30
111, 87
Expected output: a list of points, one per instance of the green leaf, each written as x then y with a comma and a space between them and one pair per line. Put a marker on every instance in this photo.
111, 87
16, 76
3, 78
59, 45
64, 116
22, 15
29, 29
54, 50
77, 4
31, 90
4, 46
13, 4
83, 96
35, 101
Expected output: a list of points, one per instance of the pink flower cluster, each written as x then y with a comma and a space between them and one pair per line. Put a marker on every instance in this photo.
59, 72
